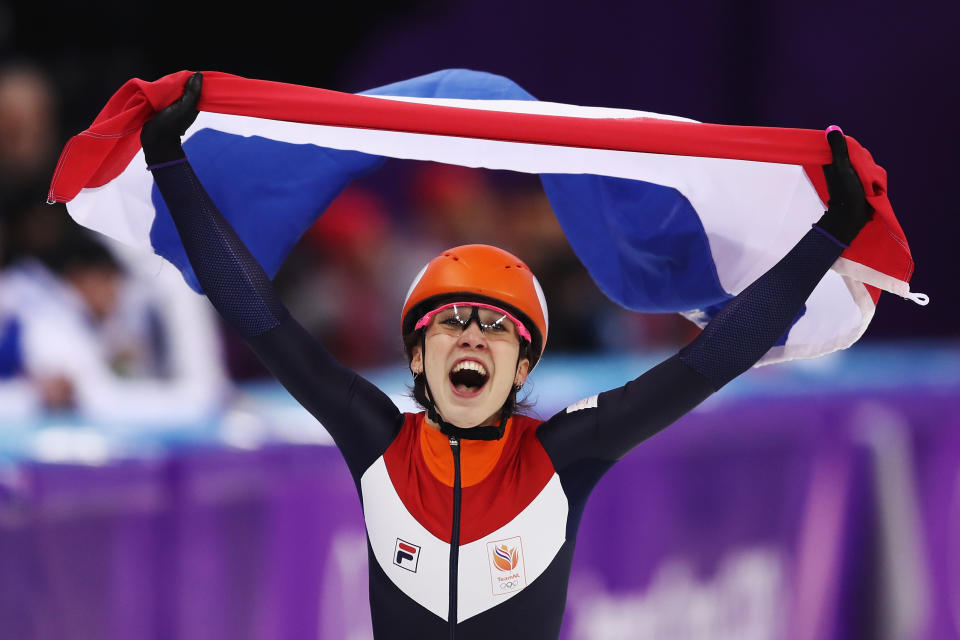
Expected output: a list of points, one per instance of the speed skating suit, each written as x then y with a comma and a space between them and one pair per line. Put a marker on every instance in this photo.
469, 539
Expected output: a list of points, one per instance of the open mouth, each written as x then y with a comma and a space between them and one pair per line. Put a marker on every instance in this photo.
468, 377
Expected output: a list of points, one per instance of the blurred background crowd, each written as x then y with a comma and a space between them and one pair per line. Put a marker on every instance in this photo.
131, 326
87, 326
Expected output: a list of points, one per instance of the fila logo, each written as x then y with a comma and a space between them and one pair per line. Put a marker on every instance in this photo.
507, 573
406, 555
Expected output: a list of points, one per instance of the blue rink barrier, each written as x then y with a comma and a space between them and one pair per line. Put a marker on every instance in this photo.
819, 499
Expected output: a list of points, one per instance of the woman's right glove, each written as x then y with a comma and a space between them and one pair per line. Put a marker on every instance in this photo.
160, 137
847, 211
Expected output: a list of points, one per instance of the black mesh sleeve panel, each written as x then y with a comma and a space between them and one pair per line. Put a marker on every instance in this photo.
232, 279
754, 321
361, 418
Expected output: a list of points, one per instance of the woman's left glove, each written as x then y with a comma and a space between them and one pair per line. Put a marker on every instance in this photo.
160, 137
848, 211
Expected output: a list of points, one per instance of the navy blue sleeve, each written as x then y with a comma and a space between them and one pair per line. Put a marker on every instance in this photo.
232, 279
754, 321
607, 426
360, 417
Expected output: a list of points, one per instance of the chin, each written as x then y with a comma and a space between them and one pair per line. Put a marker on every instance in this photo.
460, 414
466, 419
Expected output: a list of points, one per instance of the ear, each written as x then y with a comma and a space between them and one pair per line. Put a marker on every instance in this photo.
416, 360
523, 370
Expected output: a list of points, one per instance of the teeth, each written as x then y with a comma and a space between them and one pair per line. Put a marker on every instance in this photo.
471, 365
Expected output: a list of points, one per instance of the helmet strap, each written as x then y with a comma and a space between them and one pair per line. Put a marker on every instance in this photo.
484, 432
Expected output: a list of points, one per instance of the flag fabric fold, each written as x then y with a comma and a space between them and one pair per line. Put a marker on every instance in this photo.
667, 214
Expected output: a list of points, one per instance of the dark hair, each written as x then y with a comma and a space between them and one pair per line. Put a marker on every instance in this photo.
80, 251
419, 388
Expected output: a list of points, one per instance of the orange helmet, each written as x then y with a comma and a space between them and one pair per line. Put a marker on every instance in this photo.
479, 272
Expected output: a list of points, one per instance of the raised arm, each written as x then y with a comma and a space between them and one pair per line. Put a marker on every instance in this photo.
361, 419
614, 422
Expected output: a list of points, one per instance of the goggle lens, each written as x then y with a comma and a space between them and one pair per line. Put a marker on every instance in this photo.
488, 317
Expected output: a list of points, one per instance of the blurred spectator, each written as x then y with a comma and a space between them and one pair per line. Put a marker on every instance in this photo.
18, 397
23, 396
113, 343
453, 205
33, 228
28, 127
338, 280
11, 359
579, 312
28, 146
99, 331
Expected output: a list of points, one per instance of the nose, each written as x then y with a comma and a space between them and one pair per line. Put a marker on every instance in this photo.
472, 336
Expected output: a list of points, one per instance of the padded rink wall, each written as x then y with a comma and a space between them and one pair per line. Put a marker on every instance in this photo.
816, 501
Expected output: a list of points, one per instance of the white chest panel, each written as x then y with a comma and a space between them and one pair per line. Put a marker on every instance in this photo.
387, 521
491, 570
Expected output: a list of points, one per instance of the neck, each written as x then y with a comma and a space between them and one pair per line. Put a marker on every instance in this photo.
492, 421
480, 432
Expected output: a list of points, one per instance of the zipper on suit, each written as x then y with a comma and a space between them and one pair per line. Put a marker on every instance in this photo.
454, 537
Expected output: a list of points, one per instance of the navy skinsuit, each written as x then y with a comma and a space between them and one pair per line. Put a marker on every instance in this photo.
472, 557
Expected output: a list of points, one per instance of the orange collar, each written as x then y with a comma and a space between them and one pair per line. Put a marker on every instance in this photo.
477, 457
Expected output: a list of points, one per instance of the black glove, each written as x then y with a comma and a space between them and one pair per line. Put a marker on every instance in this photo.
160, 137
848, 211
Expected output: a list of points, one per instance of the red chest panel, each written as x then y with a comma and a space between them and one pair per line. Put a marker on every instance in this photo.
517, 477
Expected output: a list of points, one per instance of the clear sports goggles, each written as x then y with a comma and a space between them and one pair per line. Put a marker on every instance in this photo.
488, 317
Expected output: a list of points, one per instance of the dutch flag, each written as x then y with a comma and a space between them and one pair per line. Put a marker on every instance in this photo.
667, 214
